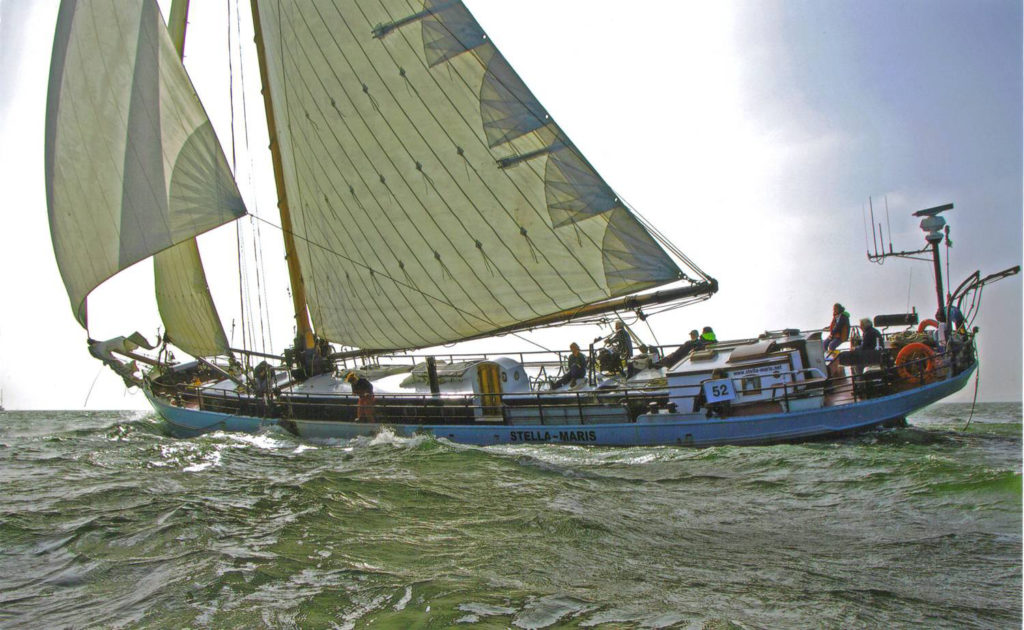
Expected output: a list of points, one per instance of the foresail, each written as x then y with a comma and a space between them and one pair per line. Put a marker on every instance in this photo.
186, 306
433, 197
182, 293
132, 162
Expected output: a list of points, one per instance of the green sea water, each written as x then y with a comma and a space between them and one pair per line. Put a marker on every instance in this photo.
107, 522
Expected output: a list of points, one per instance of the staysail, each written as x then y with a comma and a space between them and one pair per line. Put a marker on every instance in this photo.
132, 162
433, 197
182, 292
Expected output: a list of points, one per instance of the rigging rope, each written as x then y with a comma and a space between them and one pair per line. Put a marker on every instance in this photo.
234, 169
263, 301
89, 393
977, 380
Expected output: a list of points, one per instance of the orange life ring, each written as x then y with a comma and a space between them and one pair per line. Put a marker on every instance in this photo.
926, 323
921, 360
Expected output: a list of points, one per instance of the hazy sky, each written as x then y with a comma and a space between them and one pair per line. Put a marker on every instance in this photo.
750, 133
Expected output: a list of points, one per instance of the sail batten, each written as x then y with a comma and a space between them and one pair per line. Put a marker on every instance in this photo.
438, 199
132, 164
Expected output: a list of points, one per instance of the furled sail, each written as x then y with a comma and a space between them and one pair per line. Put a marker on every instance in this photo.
433, 197
132, 162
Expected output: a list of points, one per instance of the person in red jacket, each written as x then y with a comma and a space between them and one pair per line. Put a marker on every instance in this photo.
839, 329
364, 389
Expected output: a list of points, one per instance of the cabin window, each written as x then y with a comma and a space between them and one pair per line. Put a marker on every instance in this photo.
752, 385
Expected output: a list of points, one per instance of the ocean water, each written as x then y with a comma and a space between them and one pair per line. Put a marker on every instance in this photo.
106, 522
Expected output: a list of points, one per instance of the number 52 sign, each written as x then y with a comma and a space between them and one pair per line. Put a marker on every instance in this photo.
719, 390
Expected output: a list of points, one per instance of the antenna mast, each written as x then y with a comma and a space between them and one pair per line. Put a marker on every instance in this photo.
933, 225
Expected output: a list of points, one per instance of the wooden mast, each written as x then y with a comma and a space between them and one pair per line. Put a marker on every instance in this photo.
303, 327
176, 25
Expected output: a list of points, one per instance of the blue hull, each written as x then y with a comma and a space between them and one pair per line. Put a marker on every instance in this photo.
649, 430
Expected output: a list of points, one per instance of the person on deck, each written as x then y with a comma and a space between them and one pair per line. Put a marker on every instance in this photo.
839, 329
869, 350
622, 342
695, 343
262, 379
708, 336
576, 369
951, 320
364, 389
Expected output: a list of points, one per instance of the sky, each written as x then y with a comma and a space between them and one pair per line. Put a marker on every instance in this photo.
751, 134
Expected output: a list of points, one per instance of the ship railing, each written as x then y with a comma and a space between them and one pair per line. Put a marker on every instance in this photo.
811, 385
550, 361
525, 357
472, 406
885, 377
569, 406
462, 408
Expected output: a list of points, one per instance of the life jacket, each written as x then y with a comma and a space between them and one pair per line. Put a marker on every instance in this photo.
840, 328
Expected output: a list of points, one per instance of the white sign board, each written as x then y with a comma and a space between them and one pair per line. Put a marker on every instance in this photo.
719, 390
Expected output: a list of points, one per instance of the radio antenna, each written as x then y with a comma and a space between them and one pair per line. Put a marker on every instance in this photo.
888, 224
874, 241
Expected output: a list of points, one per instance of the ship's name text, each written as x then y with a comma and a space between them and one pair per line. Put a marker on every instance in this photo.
548, 436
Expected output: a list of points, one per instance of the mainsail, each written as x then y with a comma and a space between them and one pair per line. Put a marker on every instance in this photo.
433, 197
132, 162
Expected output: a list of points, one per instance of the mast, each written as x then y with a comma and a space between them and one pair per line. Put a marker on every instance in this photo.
303, 327
176, 23
932, 225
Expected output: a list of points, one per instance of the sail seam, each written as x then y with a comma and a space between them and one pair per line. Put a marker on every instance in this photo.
310, 169
570, 147
387, 244
568, 285
387, 157
355, 262
538, 212
298, 181
341, 150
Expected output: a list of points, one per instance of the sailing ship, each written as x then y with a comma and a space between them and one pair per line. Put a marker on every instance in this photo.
426, 198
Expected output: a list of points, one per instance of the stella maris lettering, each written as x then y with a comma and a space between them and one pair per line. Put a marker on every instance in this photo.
548, 436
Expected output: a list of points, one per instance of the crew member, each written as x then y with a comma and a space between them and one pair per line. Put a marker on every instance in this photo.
868, 351
364, 389
695, 343
708, 336
262, 379
622, 342
838, 329
576, 369
951, 319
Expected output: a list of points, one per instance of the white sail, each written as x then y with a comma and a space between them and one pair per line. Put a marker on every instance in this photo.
433, 197
183, 295
186, 306
132, 163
